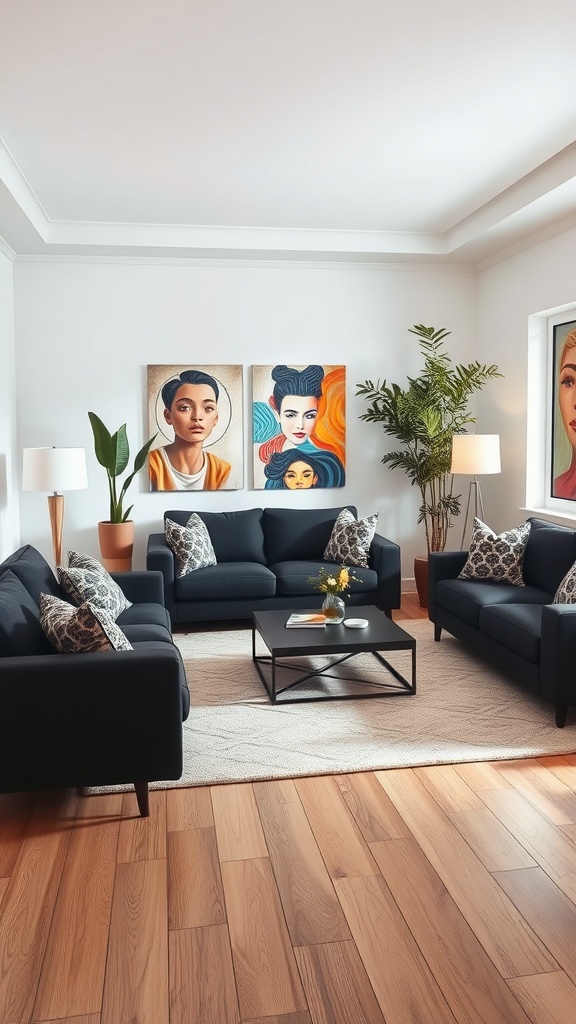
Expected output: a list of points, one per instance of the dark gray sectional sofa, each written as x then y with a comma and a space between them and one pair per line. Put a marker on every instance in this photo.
264, 559
87, 719
518, 629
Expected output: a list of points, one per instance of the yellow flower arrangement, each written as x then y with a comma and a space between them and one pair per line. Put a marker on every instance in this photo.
333, 583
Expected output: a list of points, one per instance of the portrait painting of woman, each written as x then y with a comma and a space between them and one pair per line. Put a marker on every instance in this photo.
197, 412
299, 411
564, 432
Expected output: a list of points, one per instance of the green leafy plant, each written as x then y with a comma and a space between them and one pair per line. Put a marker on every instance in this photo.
113, 453
423, 417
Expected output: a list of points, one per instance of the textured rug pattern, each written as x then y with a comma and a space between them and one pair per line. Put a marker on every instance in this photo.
462, 711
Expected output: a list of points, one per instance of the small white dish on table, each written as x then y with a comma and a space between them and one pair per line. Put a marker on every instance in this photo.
356, 623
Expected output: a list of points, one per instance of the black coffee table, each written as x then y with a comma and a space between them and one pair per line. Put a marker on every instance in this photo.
381, 634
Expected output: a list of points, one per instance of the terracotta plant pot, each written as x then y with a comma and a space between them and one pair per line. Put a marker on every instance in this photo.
116, 545
421, 577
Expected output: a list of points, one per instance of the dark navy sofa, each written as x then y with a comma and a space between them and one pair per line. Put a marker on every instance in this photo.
518, 629
264, 559
87, 719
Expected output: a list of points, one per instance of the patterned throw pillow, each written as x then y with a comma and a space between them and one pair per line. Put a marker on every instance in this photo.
496, 557
191, 544
73, 630
92, 585
76, 560
350, 540
566, 593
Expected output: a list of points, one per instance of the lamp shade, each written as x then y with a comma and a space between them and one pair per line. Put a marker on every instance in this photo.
54, 469
475, 454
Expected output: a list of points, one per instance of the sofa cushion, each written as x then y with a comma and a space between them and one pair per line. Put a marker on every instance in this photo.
293, 534
20, 629
350, 539
236, 536
80, 630
466, 598
514, 626
34, 573
294, 578
97, 587
190, 544
550, 553
145, 613
140, 632
496, 557
226, 581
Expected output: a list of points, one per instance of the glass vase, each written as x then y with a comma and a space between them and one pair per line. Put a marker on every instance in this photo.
334, 609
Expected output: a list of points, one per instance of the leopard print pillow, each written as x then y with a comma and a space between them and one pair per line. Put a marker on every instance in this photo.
81, 630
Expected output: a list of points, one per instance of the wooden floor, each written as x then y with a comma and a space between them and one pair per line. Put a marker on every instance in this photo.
428, 895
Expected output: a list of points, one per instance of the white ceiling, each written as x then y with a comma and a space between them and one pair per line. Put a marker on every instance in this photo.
331, 129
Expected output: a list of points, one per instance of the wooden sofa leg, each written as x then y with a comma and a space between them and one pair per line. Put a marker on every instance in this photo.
142, 798
561, 714
437, 632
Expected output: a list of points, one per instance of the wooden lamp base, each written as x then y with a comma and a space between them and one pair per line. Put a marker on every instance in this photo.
56, 510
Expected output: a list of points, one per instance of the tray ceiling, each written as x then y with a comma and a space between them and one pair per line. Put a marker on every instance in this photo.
318, 129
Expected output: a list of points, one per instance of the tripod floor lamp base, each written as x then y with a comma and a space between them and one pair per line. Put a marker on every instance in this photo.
475, 501
475, 455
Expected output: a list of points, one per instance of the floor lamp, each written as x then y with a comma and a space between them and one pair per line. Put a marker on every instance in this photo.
54, 469
475, 455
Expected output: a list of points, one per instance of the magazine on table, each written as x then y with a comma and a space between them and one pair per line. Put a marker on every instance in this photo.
306, 620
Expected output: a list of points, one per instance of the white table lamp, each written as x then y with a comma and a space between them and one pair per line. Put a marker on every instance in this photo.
55, 470
475, 455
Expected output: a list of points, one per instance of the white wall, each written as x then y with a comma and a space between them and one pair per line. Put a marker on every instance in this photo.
86, 331
9, 507
539, 279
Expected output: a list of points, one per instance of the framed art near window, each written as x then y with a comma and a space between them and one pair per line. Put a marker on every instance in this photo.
563, 455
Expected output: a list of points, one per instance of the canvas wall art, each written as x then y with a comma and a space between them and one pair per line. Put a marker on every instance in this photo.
563, 462
197, 412
299, 426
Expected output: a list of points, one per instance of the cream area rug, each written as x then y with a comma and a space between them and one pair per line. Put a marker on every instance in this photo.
462, 711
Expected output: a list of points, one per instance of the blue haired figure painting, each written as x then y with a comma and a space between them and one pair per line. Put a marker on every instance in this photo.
299, 412
197, 414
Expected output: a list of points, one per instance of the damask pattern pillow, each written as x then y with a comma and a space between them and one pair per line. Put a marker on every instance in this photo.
350, 539
76, 560
191, 544
496, 557
566, 593
80, 630
95, 586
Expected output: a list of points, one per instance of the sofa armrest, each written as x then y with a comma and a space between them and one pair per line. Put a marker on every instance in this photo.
557, 646
442, 565
159, 557
91, 719
384, 559
141, 586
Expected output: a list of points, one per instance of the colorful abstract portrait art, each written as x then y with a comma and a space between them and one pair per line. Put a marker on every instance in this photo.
197, 412
564, 412
299, 426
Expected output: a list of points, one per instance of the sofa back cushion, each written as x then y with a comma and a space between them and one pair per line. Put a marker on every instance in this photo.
550, 552
34, 573
20, 629
235, 536
298, 534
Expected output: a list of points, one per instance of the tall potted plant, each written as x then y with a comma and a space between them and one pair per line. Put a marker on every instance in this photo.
423, 417
116, 534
